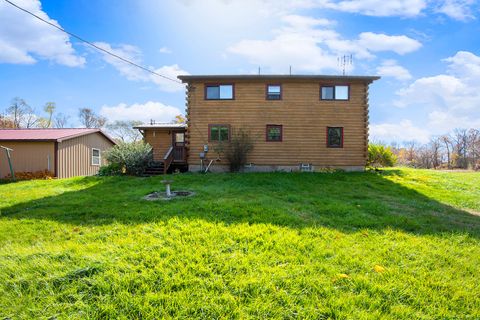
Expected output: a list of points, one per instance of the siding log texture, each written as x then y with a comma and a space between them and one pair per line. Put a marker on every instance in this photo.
160, 140
27, 157
75, 155
302, 114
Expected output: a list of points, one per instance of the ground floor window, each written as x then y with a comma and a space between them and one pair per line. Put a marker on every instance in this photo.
274, 132
96, 157
334, 137
218, 132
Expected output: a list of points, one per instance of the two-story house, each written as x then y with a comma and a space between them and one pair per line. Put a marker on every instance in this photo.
297, 122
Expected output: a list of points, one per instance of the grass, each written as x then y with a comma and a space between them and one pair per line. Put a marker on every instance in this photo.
404, 244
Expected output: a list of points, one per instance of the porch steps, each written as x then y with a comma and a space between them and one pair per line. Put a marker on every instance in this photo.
154, 169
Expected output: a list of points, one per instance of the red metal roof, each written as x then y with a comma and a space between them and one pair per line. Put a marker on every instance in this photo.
46, 134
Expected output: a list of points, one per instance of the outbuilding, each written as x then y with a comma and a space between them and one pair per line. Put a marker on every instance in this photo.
63, 152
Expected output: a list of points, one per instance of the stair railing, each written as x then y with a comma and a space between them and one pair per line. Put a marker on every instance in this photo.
167, 159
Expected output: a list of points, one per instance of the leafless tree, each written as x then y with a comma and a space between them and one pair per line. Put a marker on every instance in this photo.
60, 120
124, 131
474, 146
17, 111
435, 146
447, 142
460, 139
90, 119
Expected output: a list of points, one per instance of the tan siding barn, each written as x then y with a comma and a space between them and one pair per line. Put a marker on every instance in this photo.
64, 152
303, 116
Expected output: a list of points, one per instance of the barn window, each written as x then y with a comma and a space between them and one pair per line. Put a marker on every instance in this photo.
219, 92
334, 137
96, 157
274, 92
274, 132
335, 92
218, 132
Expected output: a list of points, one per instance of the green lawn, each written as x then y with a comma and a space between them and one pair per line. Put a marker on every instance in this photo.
404, 244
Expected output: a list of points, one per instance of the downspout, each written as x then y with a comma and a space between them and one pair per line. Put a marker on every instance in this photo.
55, 160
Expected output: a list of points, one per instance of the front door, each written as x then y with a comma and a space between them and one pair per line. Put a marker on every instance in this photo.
178, 142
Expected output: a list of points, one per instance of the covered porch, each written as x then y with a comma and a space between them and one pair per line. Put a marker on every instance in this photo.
168, 146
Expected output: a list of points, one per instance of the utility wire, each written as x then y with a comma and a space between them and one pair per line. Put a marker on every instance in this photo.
92, 44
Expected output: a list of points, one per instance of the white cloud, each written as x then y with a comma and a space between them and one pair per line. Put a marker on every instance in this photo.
164, 50
381, 8
439, 103
128, 52
390, 68
382, 42
405, 130
312, 45
25, 39
457, 9
140, 112
171, 72
134, 73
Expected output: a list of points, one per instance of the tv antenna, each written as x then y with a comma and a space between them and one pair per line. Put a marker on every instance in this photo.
344, 62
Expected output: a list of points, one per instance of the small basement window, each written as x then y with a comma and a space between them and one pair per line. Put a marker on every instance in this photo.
217, 132
96, 157
219, 92
274, 92
334, 137
335, 92
274, 133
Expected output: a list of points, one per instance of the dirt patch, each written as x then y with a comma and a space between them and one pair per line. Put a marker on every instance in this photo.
155, 196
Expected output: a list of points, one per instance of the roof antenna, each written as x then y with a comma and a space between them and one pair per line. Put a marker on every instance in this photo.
259, 70
290, 70
344, 62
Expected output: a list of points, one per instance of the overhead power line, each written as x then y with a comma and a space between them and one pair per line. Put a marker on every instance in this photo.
92, 44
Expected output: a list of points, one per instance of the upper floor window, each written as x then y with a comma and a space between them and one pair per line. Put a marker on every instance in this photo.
274, 92
334, 137
218, 132
219, 92
335, 92
274, 132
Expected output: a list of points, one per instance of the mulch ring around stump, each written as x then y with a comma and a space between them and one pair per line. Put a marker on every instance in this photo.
154, 196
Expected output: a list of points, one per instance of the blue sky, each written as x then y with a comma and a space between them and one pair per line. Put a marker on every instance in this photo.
427, 53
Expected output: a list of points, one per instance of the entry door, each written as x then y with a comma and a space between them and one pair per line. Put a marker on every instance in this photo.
178, 142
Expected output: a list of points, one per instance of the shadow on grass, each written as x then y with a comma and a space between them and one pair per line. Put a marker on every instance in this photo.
346, 201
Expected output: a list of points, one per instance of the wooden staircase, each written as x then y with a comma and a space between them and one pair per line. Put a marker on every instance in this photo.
155, 168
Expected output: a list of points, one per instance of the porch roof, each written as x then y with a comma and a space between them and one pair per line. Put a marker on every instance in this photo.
161, 126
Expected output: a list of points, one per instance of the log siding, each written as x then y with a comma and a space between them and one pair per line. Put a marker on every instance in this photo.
301, 112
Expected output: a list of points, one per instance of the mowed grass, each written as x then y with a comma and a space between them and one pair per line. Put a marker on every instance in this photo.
403, 244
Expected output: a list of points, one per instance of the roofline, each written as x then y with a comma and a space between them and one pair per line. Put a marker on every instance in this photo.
86, 132
158, 127
189, 78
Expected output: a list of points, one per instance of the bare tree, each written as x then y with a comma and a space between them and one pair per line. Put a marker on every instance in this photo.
60, 120
460, 139
17, 110
124, 131
90, 119
435, 146
474, 146
447, 142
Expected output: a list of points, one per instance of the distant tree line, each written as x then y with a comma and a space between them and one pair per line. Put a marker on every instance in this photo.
459, 149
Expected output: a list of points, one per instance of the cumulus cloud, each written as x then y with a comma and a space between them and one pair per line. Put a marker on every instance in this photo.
405, 130
457, 9
313, 45
390, 68
440, 102
140, 112
131, 72
379, 8
25, 39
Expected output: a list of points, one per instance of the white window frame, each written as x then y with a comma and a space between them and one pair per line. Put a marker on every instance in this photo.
99, 157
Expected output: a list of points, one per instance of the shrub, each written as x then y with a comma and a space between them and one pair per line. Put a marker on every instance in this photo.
112, 169
380, 156
131, 158
236, 152
27, 175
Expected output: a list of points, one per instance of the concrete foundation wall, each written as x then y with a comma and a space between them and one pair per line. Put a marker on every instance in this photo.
272, 168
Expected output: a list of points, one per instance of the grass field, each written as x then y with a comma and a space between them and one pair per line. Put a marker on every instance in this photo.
404, 244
